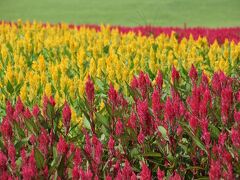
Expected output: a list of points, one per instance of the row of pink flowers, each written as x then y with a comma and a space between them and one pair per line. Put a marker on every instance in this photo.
212, 34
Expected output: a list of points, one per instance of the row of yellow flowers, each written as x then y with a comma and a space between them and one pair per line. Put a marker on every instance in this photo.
56, 60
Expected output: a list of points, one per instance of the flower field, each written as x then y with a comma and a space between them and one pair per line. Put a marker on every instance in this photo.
101, 102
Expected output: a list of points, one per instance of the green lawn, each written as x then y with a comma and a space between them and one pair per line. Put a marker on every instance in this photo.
211, 13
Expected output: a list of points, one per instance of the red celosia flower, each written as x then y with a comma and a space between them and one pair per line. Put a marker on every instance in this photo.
193, 122
222, 138
175, 176
141, 137
97, 150
143, 83
6, 128
112, 96
193, 74
134, 83
45, 171
108, 177
175, 74
11, 152
87, 147
127, 170
169, 110
159, 80
204, 125
133, 177
3, 160
29, 168
43, 141
216, 83
238, 96
156, 104
35, 111
237, 117
111, 143
119, 127
77, 157
145, 173
160, 174
204, 79
62, 146
132, 121
52, 101
66, 115
75, 173
142, 110
235, 136
23, 155
215, 170
47, 102
206, 137
9, 110
89, 89
19, 108
27, 114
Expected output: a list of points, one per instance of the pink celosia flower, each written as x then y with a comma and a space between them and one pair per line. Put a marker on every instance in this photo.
108, 177
159, 80
133, 177
142, 110
134, 83
132, 121
66, 115
175, 176
156, 104
89, 89
119, 127
113, 96
111, 143
52, 101
160, 174
75, 173
141, 137
193, 74
62, 146
27, 114
235, 137
145, 173
175, 74
237, 117
35, 111
215, 170
193, 122
6, 128
77, 157
222, 138
127, 170
206, 137
9, 110
169, 110
43, 141
3, 160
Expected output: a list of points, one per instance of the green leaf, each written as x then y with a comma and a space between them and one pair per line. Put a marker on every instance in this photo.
103, 120
10, 88
60, 169
152, 154
194, 138
214, 131
19, 130
163, 131
39, 158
